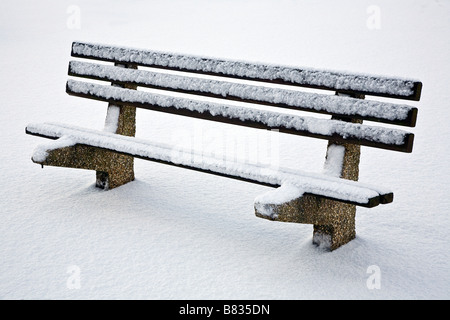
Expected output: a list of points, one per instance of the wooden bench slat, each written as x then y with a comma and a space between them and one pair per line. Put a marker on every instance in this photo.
283, 98
321, 185
371, 136
312, 78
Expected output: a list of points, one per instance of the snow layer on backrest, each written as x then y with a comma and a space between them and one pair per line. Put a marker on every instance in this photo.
269, 118
303, 76
319, 102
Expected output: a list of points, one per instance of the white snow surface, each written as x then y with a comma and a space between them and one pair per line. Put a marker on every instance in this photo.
179, 234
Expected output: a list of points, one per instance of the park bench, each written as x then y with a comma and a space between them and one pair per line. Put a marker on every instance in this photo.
327, 200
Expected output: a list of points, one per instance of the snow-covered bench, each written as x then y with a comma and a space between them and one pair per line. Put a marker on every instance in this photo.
327, 200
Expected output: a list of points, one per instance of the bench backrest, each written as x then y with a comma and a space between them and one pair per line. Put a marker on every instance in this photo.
346, 107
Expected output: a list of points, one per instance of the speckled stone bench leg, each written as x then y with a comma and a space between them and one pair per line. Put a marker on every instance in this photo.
334, 221
338, 223
112, 169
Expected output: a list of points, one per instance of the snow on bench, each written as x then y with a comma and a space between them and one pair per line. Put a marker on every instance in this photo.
326, 200
320, 128
321, 185
322, 79
291, 99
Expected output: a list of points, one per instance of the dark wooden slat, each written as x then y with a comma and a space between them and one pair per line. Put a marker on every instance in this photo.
135, 56
372, 202
410, 120
206, 115
387, 198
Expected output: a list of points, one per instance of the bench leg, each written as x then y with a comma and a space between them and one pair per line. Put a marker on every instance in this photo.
340, 230
337, 225
120, 167
119, 120
114, 169
333, 221
119, 172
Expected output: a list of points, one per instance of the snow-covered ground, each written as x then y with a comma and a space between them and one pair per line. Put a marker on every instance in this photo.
177, 234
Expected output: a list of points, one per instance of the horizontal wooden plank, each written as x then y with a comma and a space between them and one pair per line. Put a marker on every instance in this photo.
341, 131
282, 98
312, 78
317, 184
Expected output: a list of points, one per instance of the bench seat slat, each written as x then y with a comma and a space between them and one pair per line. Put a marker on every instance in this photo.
372, 136
313, 78
290, 99
317, 184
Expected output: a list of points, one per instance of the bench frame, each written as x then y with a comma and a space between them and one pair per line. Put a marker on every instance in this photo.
333, 221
